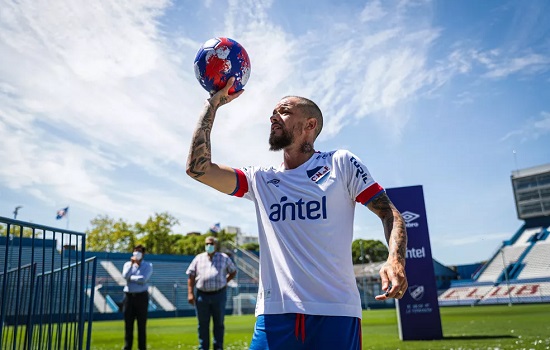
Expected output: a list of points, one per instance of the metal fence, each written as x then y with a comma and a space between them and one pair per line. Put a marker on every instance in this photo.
47, 287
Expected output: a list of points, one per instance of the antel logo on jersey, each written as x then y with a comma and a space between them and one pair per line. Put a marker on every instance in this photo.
360, 171
319, 174
299, 210
409, 217
417, 292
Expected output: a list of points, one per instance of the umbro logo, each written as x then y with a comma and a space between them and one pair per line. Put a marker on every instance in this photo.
274, 182
409, 217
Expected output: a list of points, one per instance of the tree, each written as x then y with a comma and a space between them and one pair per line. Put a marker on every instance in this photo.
16, 231
373, 251
251, 246
109, 235
190, 245
155, 234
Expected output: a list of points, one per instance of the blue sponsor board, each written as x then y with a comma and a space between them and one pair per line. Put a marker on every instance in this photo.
418, 310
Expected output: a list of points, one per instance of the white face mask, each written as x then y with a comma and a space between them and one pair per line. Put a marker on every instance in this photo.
138, 255
210, 248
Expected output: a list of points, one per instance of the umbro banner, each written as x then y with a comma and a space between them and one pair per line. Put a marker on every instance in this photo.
418, 310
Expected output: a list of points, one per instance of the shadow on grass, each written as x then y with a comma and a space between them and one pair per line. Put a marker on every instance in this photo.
478, 337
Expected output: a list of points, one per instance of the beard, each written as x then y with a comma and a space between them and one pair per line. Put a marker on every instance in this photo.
277, 143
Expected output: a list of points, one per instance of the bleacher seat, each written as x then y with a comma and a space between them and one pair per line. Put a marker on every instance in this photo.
495, 267
527, 235
537, 262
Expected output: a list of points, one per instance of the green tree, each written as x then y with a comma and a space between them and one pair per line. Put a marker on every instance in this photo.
155, 233
109, 235
223, 236
373, 251
251, 246
194, 244
16, 231
190, 245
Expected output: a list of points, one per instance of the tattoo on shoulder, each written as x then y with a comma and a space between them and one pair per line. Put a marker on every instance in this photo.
381, 202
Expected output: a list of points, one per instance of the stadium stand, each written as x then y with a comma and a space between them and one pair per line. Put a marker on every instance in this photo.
505, 256
519, 272
537, 262
369, 285
168, 284
527, 235
45, 255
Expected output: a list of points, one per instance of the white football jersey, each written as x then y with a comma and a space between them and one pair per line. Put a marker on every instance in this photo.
305, 223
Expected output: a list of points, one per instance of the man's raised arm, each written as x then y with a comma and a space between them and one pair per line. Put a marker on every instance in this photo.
199, 161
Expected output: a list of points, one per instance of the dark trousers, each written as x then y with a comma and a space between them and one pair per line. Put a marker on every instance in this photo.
209, 305
135, 307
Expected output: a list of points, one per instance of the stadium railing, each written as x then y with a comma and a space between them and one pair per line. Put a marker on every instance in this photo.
47, 287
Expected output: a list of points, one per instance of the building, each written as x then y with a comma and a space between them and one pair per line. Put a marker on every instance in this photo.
532, 192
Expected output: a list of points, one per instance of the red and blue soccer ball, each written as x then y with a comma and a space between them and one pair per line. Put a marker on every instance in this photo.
219, 59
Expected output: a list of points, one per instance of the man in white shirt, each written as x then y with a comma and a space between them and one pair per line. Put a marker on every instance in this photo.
209, 272
308, 298
137, 273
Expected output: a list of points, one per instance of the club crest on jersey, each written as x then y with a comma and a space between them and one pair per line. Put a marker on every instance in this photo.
319, 174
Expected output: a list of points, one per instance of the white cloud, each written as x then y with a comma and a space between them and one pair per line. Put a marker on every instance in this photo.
374, 70
528, 64
498, 64
532, 129
461, 240
372, 12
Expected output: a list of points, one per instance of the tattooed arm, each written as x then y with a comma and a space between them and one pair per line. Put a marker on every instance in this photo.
393, 271
199, 161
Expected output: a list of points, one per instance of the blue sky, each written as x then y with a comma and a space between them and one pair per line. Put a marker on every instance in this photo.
98, 101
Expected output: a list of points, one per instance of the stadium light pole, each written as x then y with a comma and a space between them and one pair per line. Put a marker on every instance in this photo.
237, 292
506, 277
10, 235
176, 297
16, 211
362, 257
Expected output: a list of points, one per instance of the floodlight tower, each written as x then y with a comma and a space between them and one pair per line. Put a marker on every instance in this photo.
16, 211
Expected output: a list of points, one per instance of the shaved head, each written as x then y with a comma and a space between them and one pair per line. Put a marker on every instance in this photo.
311, 110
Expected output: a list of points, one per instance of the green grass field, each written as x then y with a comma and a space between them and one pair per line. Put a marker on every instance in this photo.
480, 327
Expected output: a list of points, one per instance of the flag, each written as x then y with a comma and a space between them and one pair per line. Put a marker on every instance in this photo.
61, 213
216, 228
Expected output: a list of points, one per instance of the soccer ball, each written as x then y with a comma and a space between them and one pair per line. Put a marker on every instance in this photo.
219, 59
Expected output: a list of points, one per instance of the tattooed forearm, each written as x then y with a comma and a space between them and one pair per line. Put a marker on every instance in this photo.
200, 154
397, 241
394, 226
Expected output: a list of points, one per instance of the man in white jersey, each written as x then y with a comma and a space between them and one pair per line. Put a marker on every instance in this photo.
308, 297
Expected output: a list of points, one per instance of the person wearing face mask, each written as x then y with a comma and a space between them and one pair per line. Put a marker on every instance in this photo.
137, 273
209, 272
